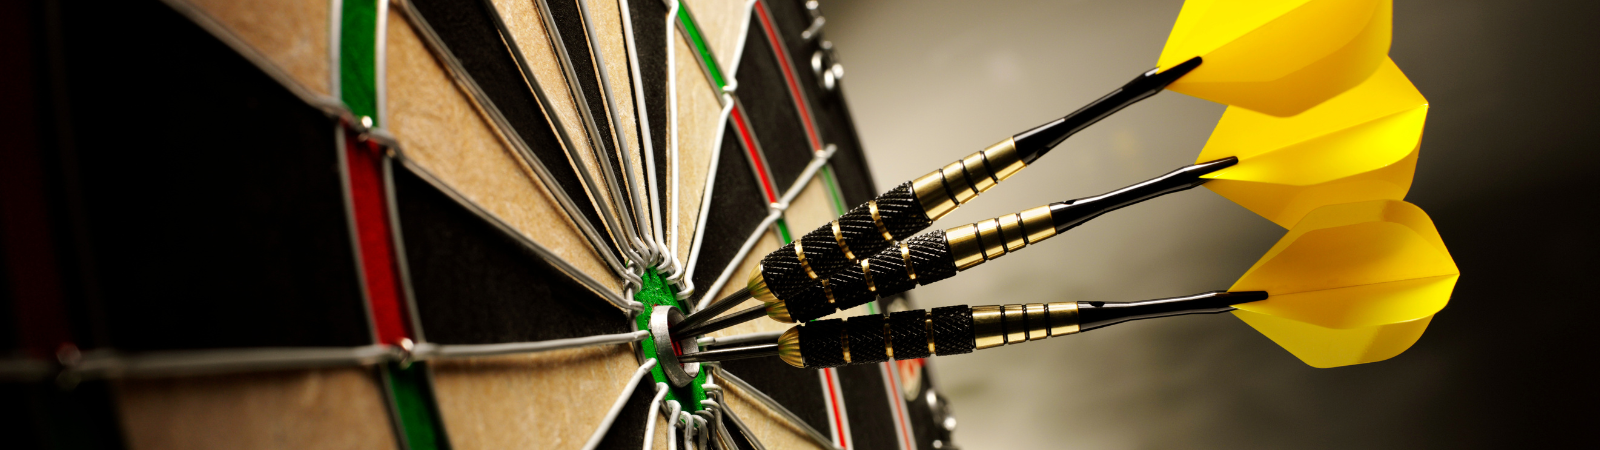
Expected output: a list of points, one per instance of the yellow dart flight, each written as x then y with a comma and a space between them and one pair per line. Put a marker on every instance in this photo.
1278, 57
1351, 283
1359, 145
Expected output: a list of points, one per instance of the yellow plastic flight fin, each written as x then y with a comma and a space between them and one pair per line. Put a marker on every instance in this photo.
1360, 145
1351, 283
1279, 57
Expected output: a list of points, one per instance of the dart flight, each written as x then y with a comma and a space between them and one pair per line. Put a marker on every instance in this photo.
1350, 284
1361, 145
1278, 57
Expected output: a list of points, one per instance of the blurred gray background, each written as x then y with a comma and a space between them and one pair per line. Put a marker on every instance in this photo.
1506, 173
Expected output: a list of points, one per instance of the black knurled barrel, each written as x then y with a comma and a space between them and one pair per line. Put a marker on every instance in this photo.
930, 256
930, 261
901, 214
908, 331
810, 304
822, 343
866, 339
952, 330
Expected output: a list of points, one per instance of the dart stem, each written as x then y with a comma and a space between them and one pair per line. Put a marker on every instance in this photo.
1034, 143
707, 342
718, 307
731, 353
1072, 213
709, 326
1092, 315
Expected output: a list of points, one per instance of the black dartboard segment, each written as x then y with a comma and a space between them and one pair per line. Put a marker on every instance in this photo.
765, 100
800, 390
649, 19
926, 425
568, 18
474, 284
627, 432
209, 206
872, 421
740, 441
470, 32
10, 330
737, 208
41, 415
828, 109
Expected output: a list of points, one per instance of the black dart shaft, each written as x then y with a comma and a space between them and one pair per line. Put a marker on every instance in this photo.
715, 308
914, 205
681, 331
731, 353
960, 329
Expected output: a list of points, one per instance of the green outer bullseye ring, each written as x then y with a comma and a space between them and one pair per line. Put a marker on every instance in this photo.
657, 291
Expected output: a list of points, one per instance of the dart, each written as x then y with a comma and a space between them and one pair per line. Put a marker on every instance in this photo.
938, 255
1351, 284
1360, 145
1281, 58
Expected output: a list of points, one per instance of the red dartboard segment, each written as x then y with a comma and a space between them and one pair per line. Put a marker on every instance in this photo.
889, 373
756, 159
788, 74
375, 239
837, 416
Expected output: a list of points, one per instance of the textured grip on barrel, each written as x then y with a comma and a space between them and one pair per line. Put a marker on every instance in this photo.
876, 338
867, 343
901, 214
930, 257
810, 303
952, 330
822, 343
908, 334
883, 274
862, 230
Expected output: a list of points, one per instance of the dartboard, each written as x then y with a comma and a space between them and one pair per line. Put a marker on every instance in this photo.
426, 224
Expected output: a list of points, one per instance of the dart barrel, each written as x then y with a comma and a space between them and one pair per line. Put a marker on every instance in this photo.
877, 224
951, 330
921, 260
938, 255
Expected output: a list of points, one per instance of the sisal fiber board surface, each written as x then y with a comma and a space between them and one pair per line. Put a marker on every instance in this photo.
309, 409
524, 20
699, 111
612, 50
814, 207
771, 429
293, 34
722, 22
441, 130
552, 399
810, 209
741, 276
